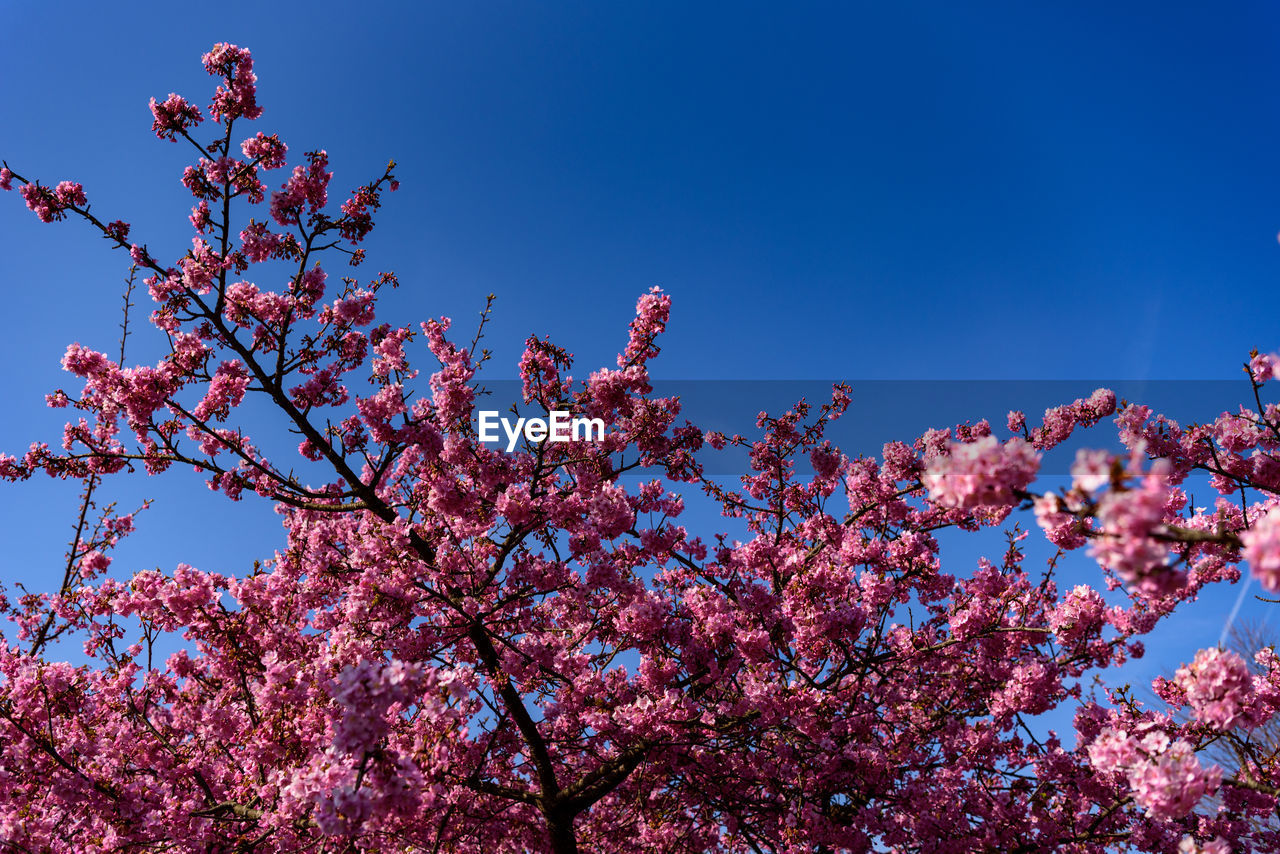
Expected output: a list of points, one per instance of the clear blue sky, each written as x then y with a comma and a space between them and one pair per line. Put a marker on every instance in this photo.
889, 190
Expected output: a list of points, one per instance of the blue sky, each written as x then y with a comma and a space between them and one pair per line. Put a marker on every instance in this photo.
914, 191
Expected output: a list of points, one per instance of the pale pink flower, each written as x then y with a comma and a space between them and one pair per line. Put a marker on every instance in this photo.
1218, 687
980, 473
1262, 549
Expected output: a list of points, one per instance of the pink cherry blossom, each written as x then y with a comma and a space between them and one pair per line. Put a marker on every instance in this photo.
1172, 782
983, 472
1218, 686
1216, 846
173, 116
1262, 549
1133, 522
458, 647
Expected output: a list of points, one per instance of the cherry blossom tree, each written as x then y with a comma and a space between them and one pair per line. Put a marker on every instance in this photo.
459, 648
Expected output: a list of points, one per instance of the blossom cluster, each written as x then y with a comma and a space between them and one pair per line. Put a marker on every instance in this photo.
1166, 777
982, 472
1219, 688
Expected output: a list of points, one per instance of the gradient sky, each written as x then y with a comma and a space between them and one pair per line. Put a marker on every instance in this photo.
890, 190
